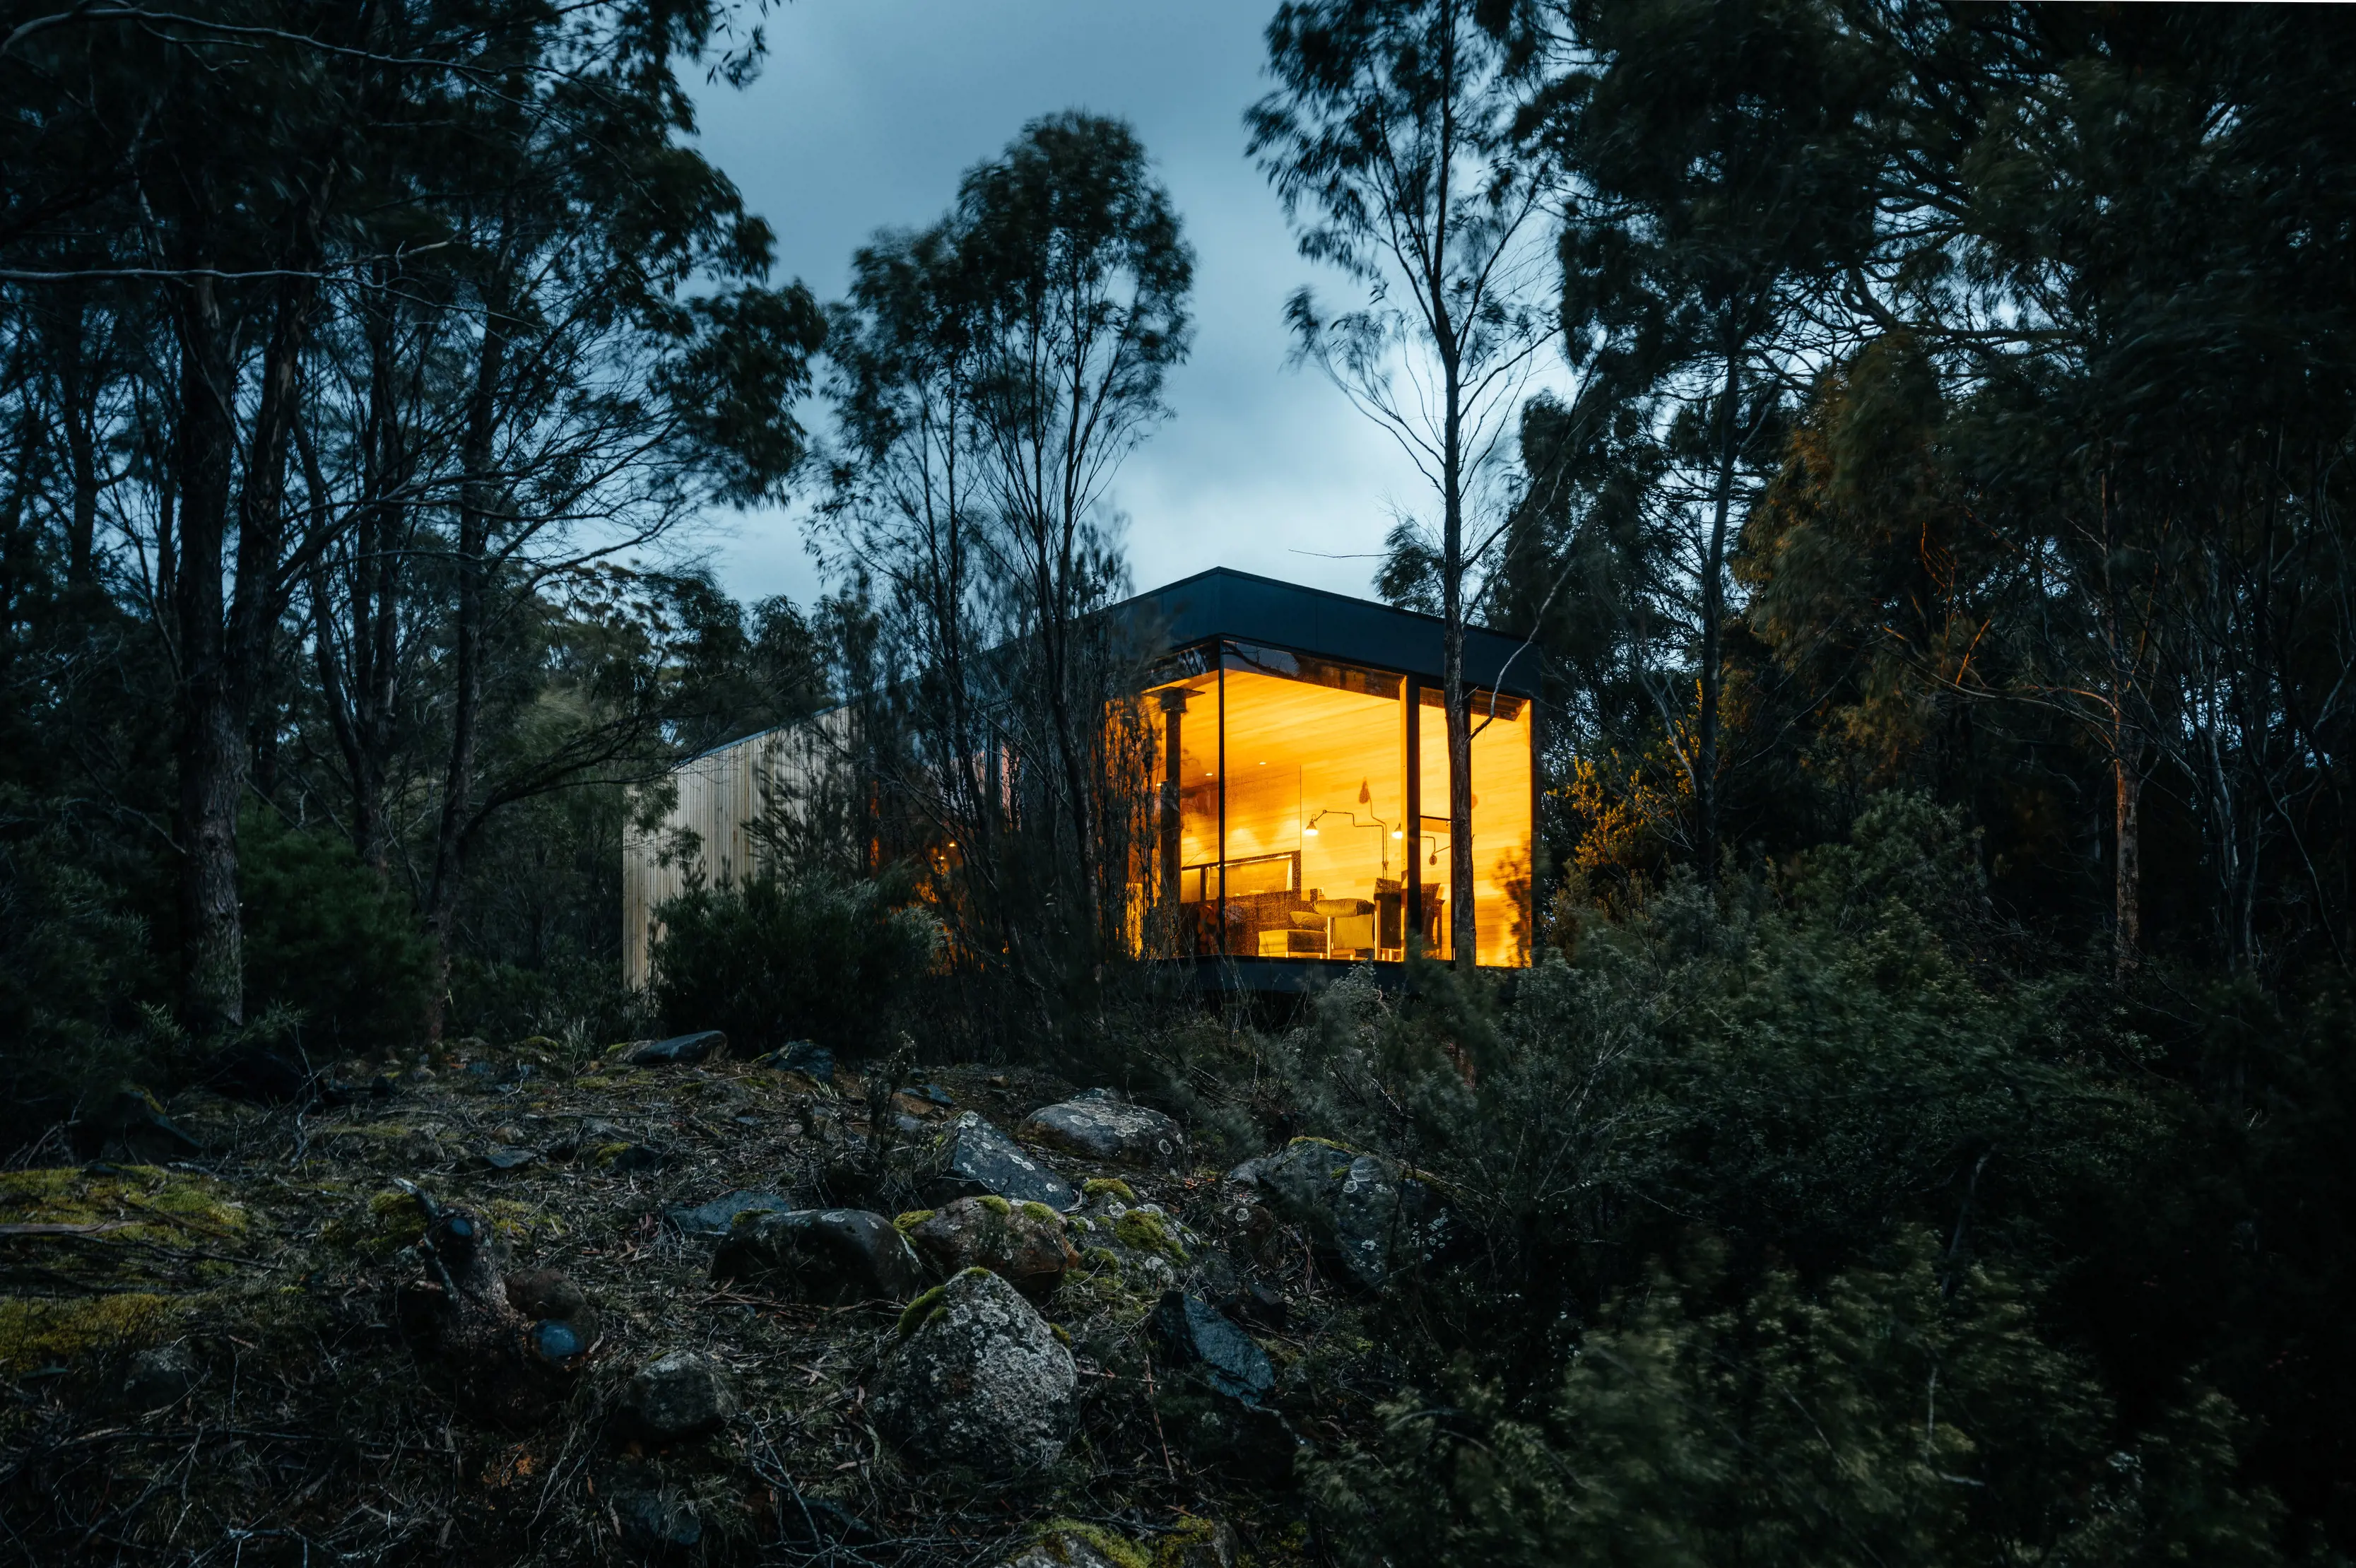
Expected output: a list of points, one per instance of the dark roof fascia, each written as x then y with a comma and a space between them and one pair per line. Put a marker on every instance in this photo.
1223, 603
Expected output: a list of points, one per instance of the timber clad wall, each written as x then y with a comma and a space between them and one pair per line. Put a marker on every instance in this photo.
719, 794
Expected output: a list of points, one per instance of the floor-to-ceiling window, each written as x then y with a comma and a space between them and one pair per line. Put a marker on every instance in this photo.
1285, 828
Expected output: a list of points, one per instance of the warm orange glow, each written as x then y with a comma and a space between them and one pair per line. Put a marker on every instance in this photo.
1315, 859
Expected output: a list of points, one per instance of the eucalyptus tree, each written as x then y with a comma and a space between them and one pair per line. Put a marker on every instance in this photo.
993, 372
483, 228
1391, 138
1727, 162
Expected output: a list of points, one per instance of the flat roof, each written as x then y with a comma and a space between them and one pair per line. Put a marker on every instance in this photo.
1222, 603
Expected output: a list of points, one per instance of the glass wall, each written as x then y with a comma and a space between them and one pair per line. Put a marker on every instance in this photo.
1282, 813
1501, 826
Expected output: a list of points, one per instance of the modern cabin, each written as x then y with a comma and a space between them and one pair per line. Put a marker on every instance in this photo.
1302, 796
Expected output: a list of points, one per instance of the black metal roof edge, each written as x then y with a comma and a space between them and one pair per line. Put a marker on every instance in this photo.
1508, 647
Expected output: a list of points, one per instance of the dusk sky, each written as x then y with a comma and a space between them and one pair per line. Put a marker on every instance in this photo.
867, 112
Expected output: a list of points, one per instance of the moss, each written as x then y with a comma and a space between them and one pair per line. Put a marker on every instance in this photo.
1040, 1213
976, 1272
608, 1152
1057, 1536
41, 1333
997, 1205
1062, 1335
592, 1081
1144, 1229
1104, 1260
140, 1202
1180, 1544
514, 1221
1108, 1187
921, 1311
908, 1221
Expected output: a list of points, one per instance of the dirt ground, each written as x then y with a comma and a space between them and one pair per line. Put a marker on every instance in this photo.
203, 1362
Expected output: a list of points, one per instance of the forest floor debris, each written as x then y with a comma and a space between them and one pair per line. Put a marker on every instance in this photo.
241, 1344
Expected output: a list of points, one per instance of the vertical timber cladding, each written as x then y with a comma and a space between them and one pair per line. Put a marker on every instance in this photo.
707, 831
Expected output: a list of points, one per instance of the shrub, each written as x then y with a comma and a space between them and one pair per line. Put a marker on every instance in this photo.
780, 958
74, 969
326, 939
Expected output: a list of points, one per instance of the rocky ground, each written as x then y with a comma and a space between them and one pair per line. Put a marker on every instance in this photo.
661, 1303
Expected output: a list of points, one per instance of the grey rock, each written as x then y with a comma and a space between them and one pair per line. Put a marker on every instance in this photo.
657, 1523
679, 1051
715, 1218
982, 1383
820, 1254
1368, 1217
159, 1376
630, 1157
1064, 1547
1022, 1243
507, 1156
1096, 1125
680, 1397
804, 1056
974, 1158
1196, 1335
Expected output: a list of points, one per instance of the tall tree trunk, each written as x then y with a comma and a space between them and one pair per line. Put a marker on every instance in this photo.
1713, 626
75, 395
2127, 868
210, 741
476, 496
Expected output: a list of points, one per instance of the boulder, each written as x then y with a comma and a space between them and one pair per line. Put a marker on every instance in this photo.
715, 1218
807, 1056
679, 1396
1145, 1245
1366, 1216
979, 1381
1100, 1125
820, 1254
657, 1523
629, 1158
679, 1051
1023, 1243
1212, 1403
1193, 1334
972, 1158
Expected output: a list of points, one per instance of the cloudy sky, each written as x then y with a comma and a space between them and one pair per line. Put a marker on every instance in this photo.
867, 112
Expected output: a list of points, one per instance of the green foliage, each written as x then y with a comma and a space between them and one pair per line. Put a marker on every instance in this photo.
74, 969
325, 938
776, 959
1905, 1409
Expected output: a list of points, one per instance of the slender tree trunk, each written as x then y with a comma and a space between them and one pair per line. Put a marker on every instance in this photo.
1713, 627
2127, 881
476, 496
80, 422
210, 743
1463, 928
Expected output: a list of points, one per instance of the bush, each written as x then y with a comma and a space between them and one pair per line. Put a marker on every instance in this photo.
324, 939
74, 967
806, 957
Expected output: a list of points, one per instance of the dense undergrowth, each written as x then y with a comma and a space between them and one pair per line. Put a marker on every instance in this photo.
1808, 1221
